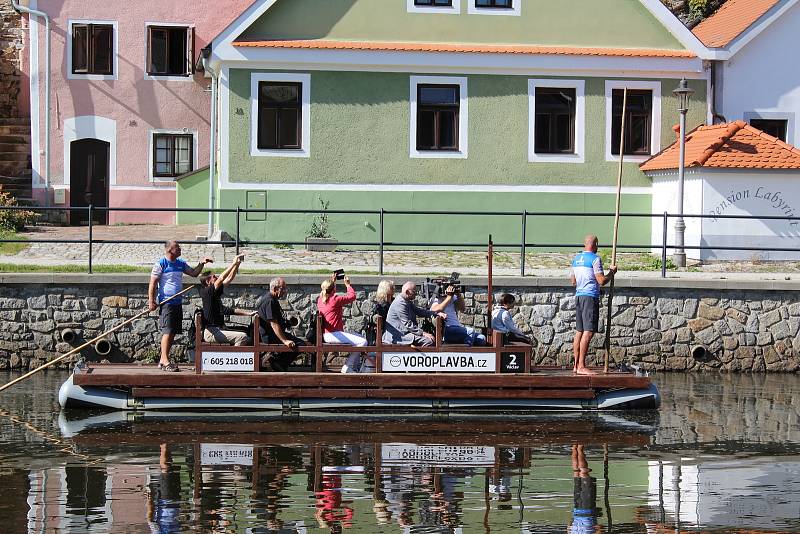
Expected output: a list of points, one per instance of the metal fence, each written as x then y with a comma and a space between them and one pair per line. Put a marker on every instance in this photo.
381, 244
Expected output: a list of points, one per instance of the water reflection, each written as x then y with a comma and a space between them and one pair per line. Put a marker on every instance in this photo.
101, 472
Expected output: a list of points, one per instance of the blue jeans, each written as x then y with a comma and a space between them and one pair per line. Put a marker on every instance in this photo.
463, 335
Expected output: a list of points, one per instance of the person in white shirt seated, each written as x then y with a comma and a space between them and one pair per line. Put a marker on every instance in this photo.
454, 332
503, 321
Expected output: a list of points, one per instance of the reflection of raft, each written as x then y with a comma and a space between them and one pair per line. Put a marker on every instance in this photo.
151, 428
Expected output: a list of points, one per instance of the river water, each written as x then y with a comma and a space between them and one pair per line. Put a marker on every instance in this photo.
721, 455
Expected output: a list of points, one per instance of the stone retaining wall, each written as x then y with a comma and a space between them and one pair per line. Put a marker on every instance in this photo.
753, 329
11, 43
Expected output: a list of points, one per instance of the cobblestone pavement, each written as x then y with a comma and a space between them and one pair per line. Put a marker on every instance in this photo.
269, 258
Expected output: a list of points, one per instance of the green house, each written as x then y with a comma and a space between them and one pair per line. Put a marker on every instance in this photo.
444, 105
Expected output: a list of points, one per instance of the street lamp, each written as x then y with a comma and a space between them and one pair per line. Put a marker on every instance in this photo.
683, 93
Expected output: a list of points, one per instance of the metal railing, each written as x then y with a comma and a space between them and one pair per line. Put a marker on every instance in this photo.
382, 244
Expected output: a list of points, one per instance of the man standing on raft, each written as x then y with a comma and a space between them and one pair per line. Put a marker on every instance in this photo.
587, 277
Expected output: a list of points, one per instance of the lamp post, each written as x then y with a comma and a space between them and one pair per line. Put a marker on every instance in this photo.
683, 93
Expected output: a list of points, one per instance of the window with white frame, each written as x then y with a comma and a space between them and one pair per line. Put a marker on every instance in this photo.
495, 7
642, 116
170, 50
92, 48
173, 154
281, 114
434, 6
438, 117
774, 127
557, 120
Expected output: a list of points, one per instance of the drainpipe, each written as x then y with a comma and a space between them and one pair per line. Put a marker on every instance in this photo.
714, 114
212, 160
23, 9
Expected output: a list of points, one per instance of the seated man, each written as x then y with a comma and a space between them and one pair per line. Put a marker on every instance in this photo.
401, 321
454, 332
273, 325
503, 322
214, 311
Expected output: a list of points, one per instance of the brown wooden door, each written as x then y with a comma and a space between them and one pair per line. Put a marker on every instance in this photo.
89, 179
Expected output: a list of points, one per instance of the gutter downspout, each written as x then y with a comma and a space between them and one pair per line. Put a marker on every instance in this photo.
212, 160
715, 115
23, 9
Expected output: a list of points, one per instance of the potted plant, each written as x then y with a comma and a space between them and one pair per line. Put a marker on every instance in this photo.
319, 235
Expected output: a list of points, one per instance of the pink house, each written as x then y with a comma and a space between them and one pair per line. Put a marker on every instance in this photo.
128, 108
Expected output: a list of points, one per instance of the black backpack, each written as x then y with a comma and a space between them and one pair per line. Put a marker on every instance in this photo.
311, 331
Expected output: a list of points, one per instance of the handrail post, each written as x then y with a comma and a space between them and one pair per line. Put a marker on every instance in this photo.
91, 208
380, 251
664, 247
524, 239
238, 214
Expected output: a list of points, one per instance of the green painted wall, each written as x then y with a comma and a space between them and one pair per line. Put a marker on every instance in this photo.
360, 134
443, 229
192, 192
605, 23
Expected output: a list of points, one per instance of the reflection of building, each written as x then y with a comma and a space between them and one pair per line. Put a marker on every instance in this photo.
725, 494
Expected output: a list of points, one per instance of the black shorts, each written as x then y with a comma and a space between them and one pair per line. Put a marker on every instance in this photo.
170, 319
587, 314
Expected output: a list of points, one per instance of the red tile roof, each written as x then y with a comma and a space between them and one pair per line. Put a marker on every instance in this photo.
467, 48
730, 21
735, 145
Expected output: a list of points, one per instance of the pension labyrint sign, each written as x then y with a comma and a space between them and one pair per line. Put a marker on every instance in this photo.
756, 197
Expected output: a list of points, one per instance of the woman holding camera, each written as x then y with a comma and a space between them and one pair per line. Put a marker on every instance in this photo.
330, 306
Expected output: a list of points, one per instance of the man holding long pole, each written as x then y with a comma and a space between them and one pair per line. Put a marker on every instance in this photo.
587, 277
167, 277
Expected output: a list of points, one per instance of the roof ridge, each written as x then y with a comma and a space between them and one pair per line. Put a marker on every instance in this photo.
730, 131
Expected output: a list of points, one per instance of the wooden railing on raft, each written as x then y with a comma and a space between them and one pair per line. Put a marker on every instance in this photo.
319, 349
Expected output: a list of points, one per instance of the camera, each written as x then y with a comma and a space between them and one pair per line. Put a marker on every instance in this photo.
439, 285
339, 273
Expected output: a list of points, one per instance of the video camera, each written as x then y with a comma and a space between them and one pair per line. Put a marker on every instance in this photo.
439, 285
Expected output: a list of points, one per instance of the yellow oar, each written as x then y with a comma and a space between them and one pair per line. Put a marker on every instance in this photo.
101, 336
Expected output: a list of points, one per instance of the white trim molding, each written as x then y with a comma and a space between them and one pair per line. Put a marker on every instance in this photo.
190, 27
455, 188
179, 131
453, 9
463, 115
655, 122
578, 156
514, 11
91, 127
115, 52
305, 110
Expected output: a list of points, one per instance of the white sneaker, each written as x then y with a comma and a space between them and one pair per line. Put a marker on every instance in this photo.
344, 369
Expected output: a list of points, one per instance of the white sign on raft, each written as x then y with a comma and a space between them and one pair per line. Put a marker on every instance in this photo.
436, 455
439, 362
227, 362
224, 454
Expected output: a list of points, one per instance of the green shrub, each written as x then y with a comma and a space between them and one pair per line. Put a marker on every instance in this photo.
14, 220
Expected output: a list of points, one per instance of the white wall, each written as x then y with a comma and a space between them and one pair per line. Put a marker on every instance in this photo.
763, 78
665, 198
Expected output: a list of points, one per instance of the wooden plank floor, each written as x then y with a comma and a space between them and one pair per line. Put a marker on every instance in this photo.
544, 383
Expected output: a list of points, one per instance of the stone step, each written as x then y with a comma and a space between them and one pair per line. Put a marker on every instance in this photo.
15, 180
16, 138
14, 156
15, 147
15, 121
14, 129
15, 168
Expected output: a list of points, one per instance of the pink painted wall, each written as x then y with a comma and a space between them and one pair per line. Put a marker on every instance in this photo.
135, 103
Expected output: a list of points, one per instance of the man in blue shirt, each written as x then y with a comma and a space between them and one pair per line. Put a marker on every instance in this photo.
167, 276
587, 277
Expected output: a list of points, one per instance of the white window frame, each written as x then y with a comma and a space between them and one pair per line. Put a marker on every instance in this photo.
169, 77
305, 109
455, 9
115, 52
463, 118
579, 156
788, 116
655, 123
515, 11
150, 142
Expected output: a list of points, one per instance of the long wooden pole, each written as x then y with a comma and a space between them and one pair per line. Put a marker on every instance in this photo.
101, 336
616, 228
